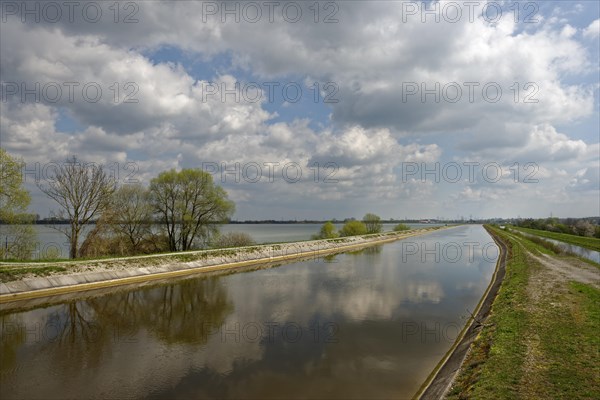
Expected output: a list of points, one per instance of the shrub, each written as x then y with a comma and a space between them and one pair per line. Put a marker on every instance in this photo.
401, 227
328, 231
353, 228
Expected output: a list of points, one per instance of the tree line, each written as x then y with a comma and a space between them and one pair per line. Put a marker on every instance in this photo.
179, 211
572, 226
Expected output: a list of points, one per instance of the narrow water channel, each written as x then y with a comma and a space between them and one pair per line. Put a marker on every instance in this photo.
590, 254
369, 324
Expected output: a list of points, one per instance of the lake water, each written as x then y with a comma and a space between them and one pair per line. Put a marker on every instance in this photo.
367, 324
50, 240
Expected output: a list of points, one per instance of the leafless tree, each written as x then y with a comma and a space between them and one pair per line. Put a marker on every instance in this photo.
131, 214
83, 192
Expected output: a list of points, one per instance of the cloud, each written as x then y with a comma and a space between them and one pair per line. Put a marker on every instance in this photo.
408, 91
556, 146
117, 90
540, 144
587, 179
593, 30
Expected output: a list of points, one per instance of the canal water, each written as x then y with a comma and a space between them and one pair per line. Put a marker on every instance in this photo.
365, 324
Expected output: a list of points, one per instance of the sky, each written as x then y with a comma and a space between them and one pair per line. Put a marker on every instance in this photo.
315, 110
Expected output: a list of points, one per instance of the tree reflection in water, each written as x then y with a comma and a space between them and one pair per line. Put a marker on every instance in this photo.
371, 250
82, 332
186, 312
11, 338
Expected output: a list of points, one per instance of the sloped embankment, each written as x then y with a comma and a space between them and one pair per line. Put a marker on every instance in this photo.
64, 277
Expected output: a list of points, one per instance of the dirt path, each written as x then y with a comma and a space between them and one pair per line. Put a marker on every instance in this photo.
571, 270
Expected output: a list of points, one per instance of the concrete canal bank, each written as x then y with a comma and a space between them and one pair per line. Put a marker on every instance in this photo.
79, 276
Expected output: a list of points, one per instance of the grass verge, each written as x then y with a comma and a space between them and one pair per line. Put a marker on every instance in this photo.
531, 348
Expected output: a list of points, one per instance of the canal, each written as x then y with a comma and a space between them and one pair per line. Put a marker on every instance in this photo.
366, 324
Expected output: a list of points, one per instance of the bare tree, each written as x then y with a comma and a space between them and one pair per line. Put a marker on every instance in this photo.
125, 228
131, 214
83, 191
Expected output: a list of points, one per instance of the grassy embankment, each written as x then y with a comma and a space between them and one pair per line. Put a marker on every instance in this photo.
587, 242
541, 338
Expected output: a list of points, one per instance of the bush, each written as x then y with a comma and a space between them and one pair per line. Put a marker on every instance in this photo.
401, 227
328, 231
585, 228
353, 228
104, 240
233, 239
18, 242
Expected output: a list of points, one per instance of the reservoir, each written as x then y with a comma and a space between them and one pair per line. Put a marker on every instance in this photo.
365, 324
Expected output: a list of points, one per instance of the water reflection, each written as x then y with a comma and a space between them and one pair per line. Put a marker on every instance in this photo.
90, 333
368, 250
367, 324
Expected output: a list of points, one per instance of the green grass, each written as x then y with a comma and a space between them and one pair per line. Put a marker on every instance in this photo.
544, 245
587, 242
563, 326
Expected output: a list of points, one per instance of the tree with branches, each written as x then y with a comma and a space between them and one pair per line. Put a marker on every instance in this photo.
190, 206
83, 191
18, 232
373, 223
131, 214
